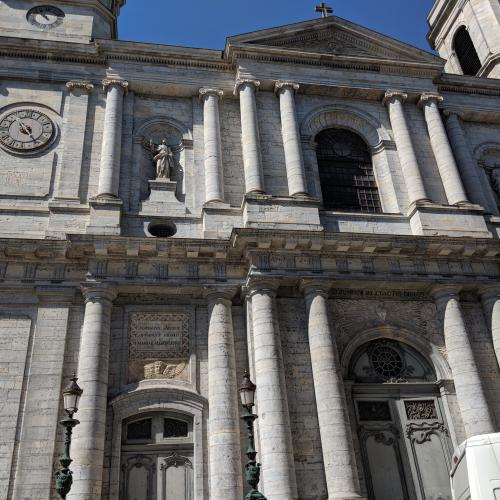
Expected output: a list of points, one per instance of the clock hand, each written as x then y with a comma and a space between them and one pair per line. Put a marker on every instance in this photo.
25, 128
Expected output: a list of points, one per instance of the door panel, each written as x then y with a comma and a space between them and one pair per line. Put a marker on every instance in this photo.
383, 464
138, 473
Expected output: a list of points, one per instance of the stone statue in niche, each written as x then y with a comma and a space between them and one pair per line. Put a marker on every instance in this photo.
494, 174
163, 159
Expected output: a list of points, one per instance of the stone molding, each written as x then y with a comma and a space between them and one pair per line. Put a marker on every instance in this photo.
429, 97
239, 82
107, 83
282, 84
392, 95
73, 85
205, 92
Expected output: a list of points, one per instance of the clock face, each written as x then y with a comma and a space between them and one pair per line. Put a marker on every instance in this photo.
45, 17
26, 130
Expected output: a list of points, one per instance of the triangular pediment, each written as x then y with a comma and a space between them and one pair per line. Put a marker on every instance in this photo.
336, 37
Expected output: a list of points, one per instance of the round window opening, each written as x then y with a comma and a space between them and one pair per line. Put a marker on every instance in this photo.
162, 229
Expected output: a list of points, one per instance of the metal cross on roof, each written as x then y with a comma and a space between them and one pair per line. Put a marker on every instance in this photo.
324, 9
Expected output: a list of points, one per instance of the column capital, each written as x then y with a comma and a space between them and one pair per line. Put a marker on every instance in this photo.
285, 84
429, 98
245, 81
209, 91
315, 287
449, 113
107, 83
99, 292
214, 294
265, 287
394, 95
82, 85
488, 293
442, 293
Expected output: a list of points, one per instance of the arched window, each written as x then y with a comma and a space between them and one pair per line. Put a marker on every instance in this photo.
346, 172
466, 52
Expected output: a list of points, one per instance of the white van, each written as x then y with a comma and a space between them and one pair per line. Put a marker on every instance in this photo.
476, 469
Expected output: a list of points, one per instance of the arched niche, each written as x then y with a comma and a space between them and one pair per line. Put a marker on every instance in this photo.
488, 159
178, 137
427, 349
373, 133
166, 400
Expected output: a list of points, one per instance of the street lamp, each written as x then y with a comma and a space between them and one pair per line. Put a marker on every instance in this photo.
252, 468
71, 398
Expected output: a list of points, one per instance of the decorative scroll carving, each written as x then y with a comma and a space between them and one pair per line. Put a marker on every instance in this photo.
160, 369
420, 410
420, 433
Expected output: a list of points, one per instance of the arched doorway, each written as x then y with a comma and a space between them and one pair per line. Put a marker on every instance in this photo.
400, 418
157, 457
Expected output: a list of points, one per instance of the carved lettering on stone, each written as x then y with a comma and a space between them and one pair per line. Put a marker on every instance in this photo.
158, 345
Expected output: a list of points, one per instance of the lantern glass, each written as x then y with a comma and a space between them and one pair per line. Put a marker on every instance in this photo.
247, 392
71, 396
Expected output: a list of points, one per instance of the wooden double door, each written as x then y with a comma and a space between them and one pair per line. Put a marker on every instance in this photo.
157, 476
405, 443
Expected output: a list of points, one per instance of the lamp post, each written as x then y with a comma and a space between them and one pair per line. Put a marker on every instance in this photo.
71, 398
252, 468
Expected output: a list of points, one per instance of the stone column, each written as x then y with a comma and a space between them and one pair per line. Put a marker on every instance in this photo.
224, 431
471, 397
109, 175
276, 450
87, 448
490, 298
394, 100
333, 416
252, 159
214, 174
294, 162
445, 160
466, 162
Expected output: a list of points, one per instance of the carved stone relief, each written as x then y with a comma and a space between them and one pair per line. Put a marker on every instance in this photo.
158, 346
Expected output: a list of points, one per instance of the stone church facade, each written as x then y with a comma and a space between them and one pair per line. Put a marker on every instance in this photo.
317, 203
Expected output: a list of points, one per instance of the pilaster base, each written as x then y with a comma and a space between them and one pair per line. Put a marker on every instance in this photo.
104, 216
162, 200
270, 212
430, 219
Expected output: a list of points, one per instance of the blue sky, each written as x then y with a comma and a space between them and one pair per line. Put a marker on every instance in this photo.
206, 23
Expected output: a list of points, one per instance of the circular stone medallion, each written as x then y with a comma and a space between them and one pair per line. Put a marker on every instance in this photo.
26, 131
45, 17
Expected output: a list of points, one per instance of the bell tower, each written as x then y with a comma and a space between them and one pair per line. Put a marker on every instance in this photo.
467, 34
76, 21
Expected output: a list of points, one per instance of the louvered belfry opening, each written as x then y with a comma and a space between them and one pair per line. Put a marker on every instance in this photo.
346, 172
466, 52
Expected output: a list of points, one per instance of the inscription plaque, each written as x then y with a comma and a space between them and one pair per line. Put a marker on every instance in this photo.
158, 345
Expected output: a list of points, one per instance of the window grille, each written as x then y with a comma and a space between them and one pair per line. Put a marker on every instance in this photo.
141, 429
174, 428
346, 172
466, 52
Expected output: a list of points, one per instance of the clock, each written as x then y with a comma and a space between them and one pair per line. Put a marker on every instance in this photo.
26, 131
45, 17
